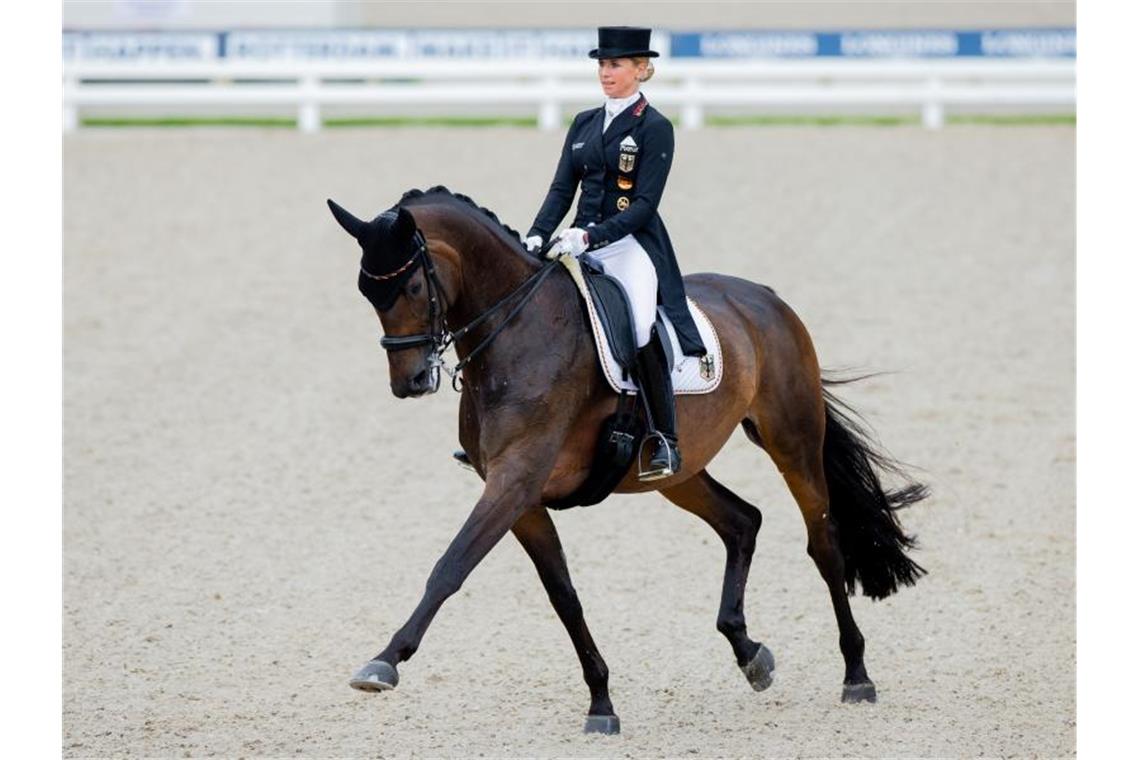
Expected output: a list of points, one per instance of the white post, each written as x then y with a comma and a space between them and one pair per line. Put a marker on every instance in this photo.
70, 111
692, 113
309, 111
933, 110
549, 110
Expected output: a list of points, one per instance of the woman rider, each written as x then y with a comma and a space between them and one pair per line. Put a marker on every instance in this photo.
621, 154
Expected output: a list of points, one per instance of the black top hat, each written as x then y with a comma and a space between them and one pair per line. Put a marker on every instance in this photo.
623, 42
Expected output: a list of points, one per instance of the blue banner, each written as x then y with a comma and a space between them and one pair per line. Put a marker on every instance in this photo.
917, 43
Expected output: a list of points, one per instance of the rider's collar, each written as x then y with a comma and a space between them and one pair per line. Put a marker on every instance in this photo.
614, 106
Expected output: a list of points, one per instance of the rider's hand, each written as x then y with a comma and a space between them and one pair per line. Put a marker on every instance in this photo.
573, 241
533, 243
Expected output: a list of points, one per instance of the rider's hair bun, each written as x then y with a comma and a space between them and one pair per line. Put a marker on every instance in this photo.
648, 68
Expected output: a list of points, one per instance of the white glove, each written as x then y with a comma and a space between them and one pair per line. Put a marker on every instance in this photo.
533, 243
573, 241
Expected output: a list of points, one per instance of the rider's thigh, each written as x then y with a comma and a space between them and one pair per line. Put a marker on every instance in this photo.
629, 264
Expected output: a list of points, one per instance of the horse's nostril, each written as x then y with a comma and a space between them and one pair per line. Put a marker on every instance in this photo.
421, 379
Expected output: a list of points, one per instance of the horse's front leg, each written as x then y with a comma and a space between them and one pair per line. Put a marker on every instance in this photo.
508, 492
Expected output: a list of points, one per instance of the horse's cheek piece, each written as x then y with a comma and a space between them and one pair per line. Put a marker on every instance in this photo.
439, 336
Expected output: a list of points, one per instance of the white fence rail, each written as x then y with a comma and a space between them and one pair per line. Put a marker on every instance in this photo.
551, 87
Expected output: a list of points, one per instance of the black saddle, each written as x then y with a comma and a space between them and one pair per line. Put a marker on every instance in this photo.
613, 309
616, 315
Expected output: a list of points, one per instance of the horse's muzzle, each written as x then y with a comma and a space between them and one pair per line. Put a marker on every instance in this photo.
425, 381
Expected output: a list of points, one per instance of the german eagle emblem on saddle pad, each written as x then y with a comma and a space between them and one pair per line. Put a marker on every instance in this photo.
692, 375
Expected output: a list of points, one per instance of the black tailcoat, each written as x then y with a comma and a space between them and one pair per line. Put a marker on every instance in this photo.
622, 173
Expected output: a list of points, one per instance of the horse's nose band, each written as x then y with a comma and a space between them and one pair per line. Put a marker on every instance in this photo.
401, 342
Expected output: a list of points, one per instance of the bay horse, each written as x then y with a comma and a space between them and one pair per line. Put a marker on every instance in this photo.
533, 400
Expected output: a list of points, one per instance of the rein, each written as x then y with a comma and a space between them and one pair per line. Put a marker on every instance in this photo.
439, 337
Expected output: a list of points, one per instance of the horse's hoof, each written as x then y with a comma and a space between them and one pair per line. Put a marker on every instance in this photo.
759, 671
859, 692
602, 724
376, 675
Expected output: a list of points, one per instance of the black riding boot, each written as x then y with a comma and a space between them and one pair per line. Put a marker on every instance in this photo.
655, 381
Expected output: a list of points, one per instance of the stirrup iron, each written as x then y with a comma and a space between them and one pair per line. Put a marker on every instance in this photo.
648, 475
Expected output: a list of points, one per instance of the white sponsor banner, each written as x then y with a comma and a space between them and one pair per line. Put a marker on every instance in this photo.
314, 45
140, 46
418, 43
513, 43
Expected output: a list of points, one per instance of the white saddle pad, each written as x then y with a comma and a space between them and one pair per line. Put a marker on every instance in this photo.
691, 374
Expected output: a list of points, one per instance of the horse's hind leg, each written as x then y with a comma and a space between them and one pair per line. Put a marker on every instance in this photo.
736, 522
535, 531
795, 443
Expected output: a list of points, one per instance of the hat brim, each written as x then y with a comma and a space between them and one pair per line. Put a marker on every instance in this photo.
610, 53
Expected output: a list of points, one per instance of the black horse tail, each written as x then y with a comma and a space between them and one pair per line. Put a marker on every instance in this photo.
870, 537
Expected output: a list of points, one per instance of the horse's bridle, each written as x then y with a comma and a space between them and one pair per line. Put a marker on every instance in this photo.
438, 335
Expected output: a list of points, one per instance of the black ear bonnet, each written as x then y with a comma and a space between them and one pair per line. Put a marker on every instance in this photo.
390, 258
391, 248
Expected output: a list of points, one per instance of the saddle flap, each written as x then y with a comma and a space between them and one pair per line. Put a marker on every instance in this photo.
614, 455
612, 307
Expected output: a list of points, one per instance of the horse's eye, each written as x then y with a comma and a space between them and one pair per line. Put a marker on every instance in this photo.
415, 289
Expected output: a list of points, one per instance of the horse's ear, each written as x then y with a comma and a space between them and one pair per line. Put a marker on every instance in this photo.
405, 224
351, 224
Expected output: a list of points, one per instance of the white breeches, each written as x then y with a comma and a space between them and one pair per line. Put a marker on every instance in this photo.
627, 262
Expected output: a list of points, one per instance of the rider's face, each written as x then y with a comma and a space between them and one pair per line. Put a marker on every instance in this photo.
619, 77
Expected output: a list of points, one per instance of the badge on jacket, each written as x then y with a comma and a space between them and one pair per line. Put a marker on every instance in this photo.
624, 183
627, 153
622, 203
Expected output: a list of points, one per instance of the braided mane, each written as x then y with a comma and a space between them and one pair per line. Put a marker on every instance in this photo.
441, 190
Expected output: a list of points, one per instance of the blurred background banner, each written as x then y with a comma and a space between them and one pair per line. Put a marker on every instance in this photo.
316, 64
329, 44
366, 44
896, 43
